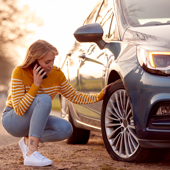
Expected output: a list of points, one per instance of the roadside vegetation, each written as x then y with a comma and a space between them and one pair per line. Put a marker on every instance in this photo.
56, 103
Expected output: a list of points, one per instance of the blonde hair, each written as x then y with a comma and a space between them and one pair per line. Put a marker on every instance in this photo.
37, 50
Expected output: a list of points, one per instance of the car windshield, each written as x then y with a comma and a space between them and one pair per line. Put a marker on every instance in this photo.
146, 12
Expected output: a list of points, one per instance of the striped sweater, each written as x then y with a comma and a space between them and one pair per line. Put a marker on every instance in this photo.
23, 91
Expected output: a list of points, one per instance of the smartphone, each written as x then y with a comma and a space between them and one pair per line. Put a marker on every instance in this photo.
36, 62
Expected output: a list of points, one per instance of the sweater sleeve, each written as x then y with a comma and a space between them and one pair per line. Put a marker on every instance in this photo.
74, 96
21, 100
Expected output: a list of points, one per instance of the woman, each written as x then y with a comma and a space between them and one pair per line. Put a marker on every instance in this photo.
28, 105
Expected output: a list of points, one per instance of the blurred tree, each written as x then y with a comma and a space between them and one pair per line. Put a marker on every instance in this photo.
17, 22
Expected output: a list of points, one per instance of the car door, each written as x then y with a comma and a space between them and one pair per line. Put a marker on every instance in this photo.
93, 63
75, 57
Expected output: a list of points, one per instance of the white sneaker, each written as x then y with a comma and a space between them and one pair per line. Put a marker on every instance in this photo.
23, 147
36, 159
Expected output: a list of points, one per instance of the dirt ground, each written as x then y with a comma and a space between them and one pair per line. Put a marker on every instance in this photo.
92, 156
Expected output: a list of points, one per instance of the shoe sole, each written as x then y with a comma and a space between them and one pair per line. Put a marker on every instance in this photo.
38, 164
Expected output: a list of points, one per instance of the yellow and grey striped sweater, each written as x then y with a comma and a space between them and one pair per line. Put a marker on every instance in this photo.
23, 91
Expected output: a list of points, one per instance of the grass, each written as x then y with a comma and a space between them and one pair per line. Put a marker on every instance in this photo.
56, 104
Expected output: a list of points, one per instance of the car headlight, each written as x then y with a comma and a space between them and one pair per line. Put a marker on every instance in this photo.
154, 61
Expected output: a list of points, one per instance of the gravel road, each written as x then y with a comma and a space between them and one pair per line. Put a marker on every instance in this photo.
92, 156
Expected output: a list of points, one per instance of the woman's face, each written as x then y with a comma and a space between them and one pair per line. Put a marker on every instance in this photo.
47, 62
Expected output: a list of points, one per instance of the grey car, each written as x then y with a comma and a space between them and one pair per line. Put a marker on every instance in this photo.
127, 43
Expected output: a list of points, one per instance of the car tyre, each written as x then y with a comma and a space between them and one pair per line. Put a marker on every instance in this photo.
118, 129
79, 136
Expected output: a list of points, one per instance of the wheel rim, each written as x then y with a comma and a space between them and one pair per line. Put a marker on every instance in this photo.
119, 125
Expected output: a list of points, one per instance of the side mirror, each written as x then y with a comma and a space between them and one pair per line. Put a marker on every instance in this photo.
90, 33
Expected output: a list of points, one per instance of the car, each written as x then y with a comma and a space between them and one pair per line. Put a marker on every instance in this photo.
126, 43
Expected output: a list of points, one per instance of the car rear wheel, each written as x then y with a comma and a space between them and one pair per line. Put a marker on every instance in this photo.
79, 136
118, 128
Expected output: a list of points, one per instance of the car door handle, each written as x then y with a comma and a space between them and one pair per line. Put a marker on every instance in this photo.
82, 56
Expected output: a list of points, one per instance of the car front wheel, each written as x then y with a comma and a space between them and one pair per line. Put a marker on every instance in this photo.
118, 129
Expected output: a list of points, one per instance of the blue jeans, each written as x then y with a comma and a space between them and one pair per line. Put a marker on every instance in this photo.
37, 122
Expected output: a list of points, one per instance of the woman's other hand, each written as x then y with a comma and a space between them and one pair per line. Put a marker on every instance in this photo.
37, 70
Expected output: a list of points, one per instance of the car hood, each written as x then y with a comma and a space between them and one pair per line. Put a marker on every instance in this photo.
150, 35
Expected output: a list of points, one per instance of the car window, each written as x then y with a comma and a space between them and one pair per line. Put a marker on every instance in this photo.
146, 12
104, 17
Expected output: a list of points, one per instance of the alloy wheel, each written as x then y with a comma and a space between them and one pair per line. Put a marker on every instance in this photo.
119, 125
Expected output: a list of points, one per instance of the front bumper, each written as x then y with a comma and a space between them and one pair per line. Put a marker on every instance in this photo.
147, 90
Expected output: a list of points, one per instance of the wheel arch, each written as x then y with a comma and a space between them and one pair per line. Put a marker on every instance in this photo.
113, 76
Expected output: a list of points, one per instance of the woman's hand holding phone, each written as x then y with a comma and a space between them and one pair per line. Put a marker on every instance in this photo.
38, 74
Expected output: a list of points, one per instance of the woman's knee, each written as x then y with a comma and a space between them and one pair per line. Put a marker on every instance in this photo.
45, 99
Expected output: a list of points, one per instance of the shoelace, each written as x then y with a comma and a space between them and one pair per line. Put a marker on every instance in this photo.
39, 156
